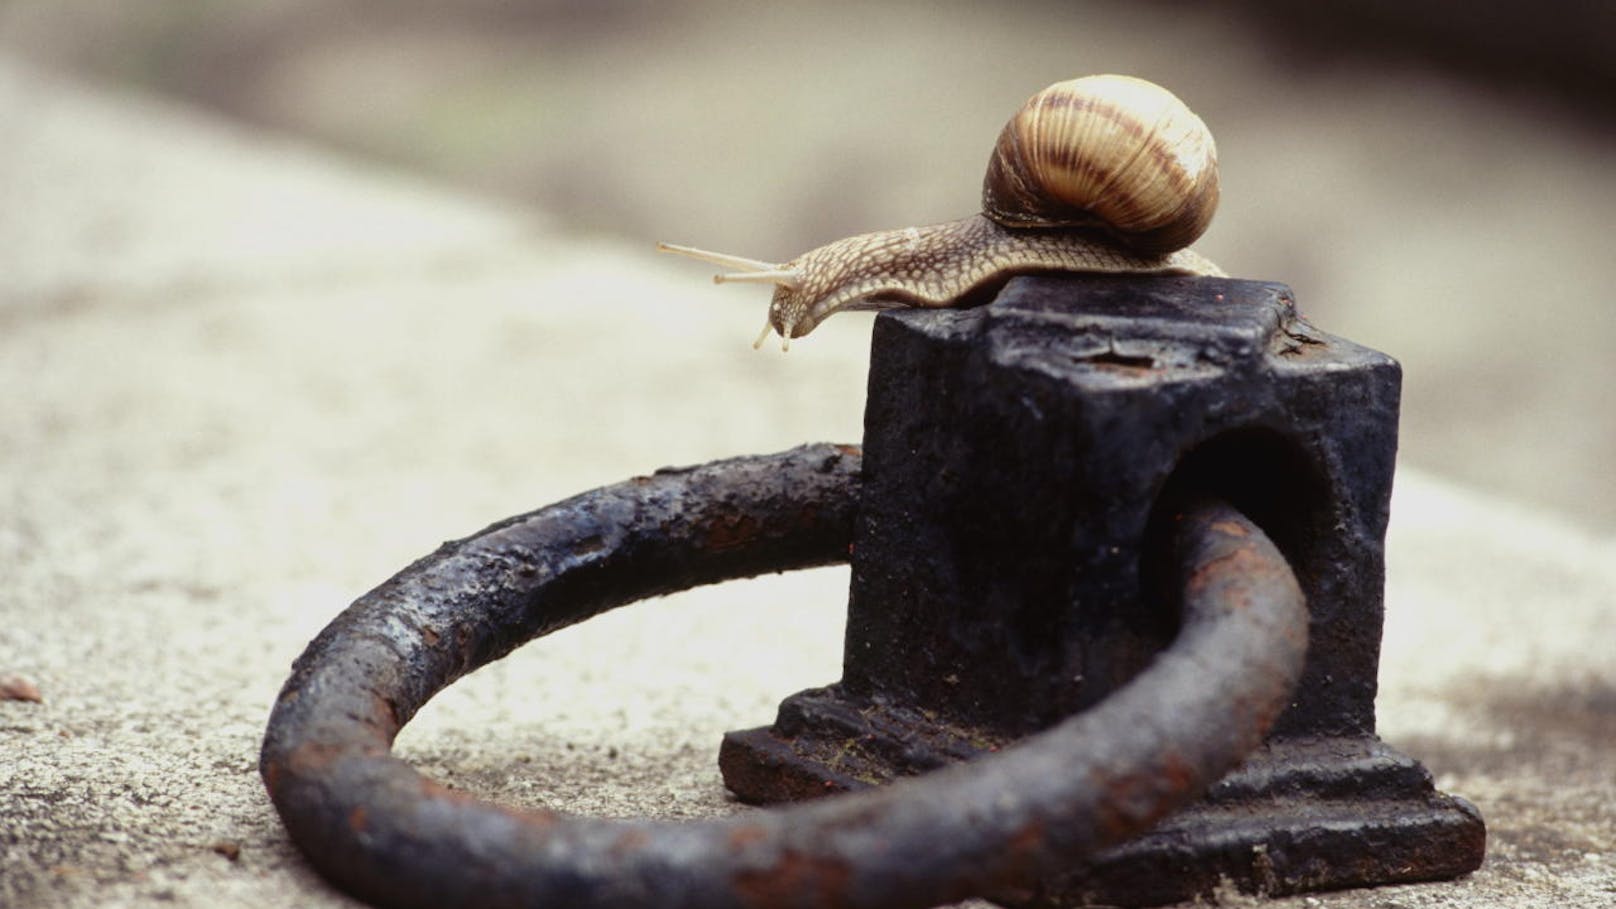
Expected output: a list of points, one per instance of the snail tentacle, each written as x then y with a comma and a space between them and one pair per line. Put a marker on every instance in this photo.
784, 277
768, 326
717, 258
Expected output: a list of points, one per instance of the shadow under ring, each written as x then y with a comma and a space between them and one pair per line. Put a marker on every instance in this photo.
381, 831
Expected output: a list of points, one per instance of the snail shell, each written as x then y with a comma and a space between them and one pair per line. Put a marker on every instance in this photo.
1100, 174
1112, 152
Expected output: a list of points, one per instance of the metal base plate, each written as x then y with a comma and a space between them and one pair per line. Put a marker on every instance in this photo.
1299, 815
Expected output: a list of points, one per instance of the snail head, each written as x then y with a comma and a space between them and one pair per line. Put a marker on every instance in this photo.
786, 310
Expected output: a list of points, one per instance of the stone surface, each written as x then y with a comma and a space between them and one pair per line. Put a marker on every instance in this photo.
223, 421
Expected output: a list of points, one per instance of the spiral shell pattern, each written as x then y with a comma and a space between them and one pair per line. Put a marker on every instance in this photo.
1110, 152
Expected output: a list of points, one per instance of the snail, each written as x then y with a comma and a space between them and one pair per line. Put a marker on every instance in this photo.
1098, 174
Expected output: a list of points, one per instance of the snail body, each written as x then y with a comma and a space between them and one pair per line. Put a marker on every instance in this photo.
1101, 174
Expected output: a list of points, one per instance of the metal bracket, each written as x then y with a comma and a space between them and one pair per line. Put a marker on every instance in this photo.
1021, 461
1081, 535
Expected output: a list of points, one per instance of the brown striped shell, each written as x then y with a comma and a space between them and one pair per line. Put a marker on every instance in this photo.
1112, 152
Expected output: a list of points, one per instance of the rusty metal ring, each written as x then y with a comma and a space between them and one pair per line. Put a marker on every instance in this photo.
381, 831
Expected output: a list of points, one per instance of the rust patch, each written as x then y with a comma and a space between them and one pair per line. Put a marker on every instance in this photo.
742, 837
730, 532
312, 758
1242, 565
808, 515
1231, 529
1110, 818
358, 819
430, 636
588, 546
1134, 801
384, 716
796, 880
1179, 773
1296, 340
629, 842
1023, 853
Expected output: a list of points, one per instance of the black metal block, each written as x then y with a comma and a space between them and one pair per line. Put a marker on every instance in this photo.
1021, 461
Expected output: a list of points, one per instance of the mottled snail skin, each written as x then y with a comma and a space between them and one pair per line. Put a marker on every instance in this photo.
940, 265
1100, 174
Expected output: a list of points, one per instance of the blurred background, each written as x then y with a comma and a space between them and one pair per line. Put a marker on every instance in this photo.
1436, 180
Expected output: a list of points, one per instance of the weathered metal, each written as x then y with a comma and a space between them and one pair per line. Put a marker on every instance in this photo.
1019, 459
1026, 598
998, 826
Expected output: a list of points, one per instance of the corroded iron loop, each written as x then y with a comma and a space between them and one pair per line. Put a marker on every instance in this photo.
381, 831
